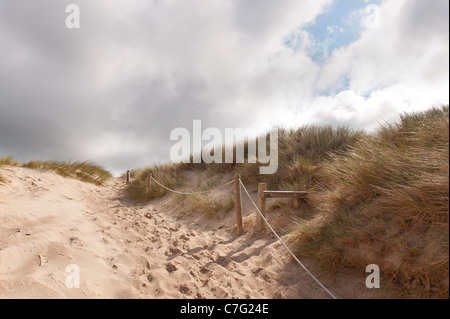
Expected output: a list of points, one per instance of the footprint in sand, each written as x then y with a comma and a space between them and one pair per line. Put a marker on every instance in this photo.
171, 268
184, 289
148, 215
184, 238
42, 259
172, 252
204, 270
144, 262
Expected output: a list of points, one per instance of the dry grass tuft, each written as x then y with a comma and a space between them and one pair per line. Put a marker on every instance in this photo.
7, 160
386, 202
83, 171
210, 205
171, 176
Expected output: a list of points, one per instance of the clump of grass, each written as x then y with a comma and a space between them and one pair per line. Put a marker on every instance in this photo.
385, 201
5, 160
206, 204
209, 204
84, 171
300, 154
172, 176
279, 204
8, 160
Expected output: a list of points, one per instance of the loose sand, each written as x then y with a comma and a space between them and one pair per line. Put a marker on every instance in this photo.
126, 250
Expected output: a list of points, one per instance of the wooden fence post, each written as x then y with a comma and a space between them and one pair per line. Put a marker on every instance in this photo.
148, 184
296, 201
237, 203
262, 207
128, 177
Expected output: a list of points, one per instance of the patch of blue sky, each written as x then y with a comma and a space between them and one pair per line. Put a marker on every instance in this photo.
338, 26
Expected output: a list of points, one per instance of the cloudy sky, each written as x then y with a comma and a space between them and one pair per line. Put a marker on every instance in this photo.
113, 90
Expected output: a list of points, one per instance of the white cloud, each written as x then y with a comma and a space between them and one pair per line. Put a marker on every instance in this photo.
400, 63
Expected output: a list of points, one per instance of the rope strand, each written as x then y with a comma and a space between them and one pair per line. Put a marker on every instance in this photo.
187, 193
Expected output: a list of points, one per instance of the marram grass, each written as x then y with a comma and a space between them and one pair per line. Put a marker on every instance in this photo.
83, 171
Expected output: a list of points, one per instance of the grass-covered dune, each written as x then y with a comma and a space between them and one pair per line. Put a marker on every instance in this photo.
84, 171
385, 201
375, 198
301, 154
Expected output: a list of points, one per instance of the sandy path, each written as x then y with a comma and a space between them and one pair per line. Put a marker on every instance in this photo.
46, 225
184, 256
125, 250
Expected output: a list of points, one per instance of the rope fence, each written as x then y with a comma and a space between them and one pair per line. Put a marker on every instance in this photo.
285, 246
187, 193
238, 204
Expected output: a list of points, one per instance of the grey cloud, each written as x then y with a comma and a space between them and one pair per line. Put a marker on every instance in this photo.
425, 19
132, 73
112, 91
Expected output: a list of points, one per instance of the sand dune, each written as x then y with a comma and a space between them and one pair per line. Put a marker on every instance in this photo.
125, 250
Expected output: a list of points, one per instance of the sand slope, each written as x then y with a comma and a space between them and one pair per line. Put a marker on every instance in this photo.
125, 250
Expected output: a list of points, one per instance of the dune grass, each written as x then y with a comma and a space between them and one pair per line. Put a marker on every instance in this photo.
83, 171
7, 160
171, 176
209, 205
385, 201
301, 152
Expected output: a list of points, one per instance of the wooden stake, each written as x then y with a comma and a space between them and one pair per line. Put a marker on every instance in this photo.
128, 177
237, 204
148, 184
262, 207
